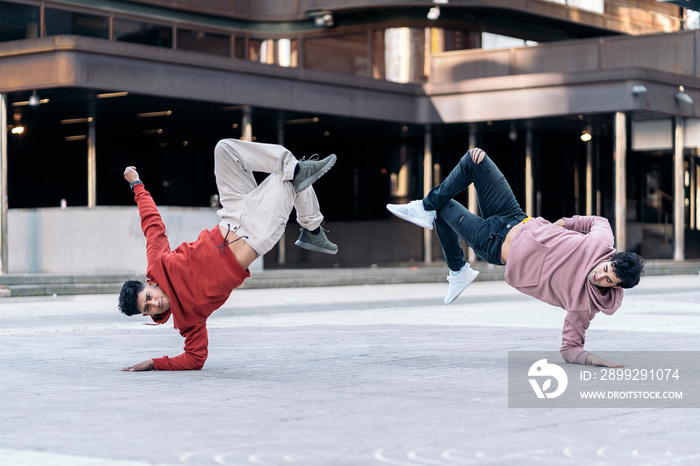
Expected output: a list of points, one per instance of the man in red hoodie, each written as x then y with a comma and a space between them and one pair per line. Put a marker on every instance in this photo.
192, 281
570, 264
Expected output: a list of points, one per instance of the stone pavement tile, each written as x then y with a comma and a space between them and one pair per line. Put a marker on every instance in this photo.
336, 376
33, 458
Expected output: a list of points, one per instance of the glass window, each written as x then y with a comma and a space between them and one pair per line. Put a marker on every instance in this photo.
205, 42
238, 47
138, 32
399, 54
596, 6
495, 41
693, 20
67, 22
18, 21
346, 53
254, 46
281, 52
460, 40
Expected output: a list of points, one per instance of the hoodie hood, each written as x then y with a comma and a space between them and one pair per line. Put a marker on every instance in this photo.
606, 302
161, 318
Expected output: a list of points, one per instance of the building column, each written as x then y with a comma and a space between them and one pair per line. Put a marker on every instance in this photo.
281, 244
678, 190
427, 186
473, 200
597, 197
3, 185
589, 176
529, 175
247, 135
247, 129
693, 195
620, 156
92, 165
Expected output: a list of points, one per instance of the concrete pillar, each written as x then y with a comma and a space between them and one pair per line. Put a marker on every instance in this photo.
281, 244
577, 186
92, 165
696, 195
3, 185
427, 186
693, 172
247, 133
620, 156
597, 201
473, 200
247, 129
529, 175
678, 190
589, 177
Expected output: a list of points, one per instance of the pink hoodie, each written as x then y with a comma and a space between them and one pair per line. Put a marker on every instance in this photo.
552, 264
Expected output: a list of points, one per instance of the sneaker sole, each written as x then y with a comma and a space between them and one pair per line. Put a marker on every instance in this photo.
312, 179
313, 247
408, 218
466, 285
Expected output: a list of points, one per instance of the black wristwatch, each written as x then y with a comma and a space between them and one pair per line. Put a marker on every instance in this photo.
134, 183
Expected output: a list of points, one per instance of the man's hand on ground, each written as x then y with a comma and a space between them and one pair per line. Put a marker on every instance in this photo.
130, 174
142, 366
593, 360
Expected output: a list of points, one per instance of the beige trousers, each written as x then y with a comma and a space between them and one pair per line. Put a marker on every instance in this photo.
259, 213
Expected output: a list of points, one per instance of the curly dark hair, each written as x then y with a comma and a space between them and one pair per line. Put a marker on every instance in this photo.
629, 267
128, 295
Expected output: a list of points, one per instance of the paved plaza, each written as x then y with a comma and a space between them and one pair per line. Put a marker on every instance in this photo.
346, 375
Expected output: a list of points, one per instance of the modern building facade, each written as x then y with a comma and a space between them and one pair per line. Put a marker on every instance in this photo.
588, 106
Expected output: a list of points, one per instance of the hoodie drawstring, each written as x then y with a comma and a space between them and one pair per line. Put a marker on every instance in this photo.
228, 227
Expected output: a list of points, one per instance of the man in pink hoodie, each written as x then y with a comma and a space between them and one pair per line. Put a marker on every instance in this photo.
570, 264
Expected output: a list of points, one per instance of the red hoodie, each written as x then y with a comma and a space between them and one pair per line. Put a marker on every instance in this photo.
551, 264
198, 278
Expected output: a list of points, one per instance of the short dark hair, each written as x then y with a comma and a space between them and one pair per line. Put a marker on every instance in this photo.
128, 295
629, 267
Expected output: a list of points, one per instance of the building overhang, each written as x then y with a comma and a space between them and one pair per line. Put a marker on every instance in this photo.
541, 95
81, 62
95, 64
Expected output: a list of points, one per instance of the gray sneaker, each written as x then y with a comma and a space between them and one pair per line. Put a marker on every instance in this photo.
317, 243
310, 170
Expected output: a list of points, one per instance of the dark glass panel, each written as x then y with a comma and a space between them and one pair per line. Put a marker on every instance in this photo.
18, 21
138, 32
67, 22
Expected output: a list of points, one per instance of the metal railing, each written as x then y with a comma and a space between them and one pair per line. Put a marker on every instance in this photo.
657, 203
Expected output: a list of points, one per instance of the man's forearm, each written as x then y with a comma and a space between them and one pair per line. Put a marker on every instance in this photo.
183, 362
575, 356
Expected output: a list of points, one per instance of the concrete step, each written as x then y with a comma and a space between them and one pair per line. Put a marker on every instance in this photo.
62, 284
657, 241
49, 284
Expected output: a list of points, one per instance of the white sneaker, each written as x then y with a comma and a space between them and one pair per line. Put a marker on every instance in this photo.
459, 282
413, 212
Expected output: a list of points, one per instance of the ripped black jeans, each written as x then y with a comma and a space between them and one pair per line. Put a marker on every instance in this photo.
497, 204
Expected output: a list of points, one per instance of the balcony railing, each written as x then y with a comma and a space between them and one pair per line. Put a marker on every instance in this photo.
676, 53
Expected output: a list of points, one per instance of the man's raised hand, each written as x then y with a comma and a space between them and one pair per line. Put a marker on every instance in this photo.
130, 174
